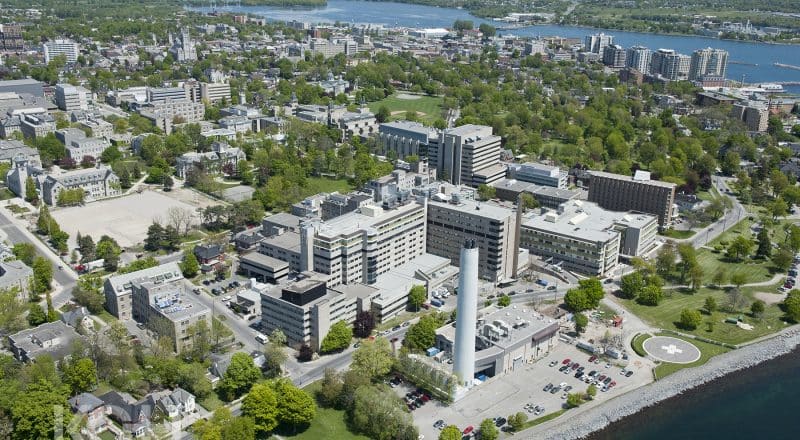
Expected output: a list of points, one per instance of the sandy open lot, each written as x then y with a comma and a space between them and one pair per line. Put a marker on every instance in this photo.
125, 219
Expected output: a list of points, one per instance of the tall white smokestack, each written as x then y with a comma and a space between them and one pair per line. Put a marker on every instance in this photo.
467, 315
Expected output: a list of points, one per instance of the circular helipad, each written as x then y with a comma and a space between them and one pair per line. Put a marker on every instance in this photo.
674, 350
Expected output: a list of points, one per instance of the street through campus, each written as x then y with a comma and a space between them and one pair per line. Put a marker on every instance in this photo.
63, 276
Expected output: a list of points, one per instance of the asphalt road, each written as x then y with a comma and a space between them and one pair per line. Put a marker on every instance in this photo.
729, 219
65, 277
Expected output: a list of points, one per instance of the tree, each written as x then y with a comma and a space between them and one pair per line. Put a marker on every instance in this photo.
574, 400
373, 358
80, 375
44, 221
330, 389
33, 411
305, 354
383, 114
110, 155
24, 252
486, 192
364, 324
690, 319
168, 182
757, 308
719, 278
581, 321
792, 305
87, 248
782, 259
487, 30
31, 196
239, 428
739, 248
584, 297
295, 406
517, 421
688, 258
665, 260
379, 414
488, 430
189, 266
416, 297
450, 432
738, 279
631, 285
261, 405
338, 338
591, 391
12, 311
242, 373
764, 245
42, 275
36, 315
710, 305
504, 301
778, 208
422, 335
155, 235
695, 277
108, 249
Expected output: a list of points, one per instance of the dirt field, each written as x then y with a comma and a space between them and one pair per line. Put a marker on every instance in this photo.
126, 219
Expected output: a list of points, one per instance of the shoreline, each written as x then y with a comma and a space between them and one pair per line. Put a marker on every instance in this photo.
601, 416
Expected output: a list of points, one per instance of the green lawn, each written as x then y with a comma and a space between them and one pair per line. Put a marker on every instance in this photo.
707, 351
328, 423
211, 402
431, 106
323, 184
638, 342
754, 270
672, 233
542, 419
668, 313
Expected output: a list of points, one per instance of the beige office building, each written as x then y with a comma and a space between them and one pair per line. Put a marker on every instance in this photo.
617, 192
453, 220
582, 237
118, 288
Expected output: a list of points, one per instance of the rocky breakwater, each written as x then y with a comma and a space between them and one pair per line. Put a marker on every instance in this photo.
597, 418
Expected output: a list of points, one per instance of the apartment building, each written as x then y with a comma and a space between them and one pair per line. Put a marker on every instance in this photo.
754, 115
615, 56
68, 48
708, 62
17, 275
453, 220
539, 174
582, 237
467, 155
78, 145
638, 57
670, 64
305, 310
70, 98
164, 94
97, 183
597, 43
11, 37
169, 310
118, 288
640, 193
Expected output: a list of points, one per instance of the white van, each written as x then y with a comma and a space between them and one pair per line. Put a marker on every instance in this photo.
262, 338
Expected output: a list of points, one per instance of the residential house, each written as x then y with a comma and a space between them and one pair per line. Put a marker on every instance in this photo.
92, 409
221, 157
209, 256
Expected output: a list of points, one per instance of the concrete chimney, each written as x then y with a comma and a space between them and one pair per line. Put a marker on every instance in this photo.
467, 315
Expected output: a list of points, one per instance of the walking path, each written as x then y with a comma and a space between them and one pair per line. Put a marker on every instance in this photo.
777, 277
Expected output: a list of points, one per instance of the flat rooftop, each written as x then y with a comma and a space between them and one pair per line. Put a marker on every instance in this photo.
632, 179
173, 301
260, 259
353, 222
482, 209
165, 272
585, 220
521, 321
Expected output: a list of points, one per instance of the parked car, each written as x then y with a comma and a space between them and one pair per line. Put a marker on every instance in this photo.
592, 358
553, 363
468, 430
629, 373
566, 361
548, 387
551, 287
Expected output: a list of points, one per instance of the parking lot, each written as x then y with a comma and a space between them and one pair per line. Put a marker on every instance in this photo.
508, 394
